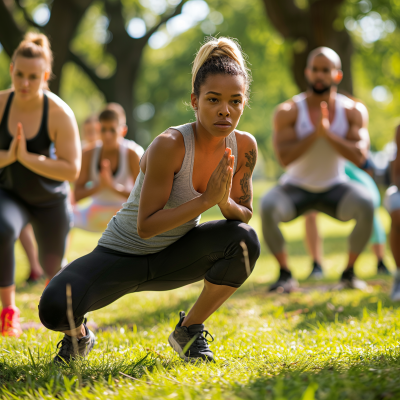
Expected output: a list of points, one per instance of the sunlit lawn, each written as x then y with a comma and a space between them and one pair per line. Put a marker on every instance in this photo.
316, 343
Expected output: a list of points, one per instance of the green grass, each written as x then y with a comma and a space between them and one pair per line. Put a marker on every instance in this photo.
314, 344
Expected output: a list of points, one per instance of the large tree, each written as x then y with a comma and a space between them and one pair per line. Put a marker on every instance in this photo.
309, 24
65, 17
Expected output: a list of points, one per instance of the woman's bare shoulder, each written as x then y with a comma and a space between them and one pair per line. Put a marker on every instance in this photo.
245, 140
58, 106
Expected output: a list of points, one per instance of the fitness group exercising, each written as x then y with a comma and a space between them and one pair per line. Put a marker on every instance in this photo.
33, 187
155, 242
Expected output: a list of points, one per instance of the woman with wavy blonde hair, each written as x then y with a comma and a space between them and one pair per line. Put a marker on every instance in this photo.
155, 242
33, 187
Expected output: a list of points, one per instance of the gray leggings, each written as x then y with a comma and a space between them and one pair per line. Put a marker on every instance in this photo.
344, 202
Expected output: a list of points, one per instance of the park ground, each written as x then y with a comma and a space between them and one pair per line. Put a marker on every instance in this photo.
317, 343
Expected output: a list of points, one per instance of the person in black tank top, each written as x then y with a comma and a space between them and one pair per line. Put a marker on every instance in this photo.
33, 186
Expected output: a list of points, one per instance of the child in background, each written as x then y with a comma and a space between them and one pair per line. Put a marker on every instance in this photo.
109, 170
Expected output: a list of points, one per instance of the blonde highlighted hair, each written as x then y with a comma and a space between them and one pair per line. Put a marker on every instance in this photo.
219, 55
35, 45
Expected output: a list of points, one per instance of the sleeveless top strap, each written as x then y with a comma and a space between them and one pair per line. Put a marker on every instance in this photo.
43, 125
231, 142
94, 171
123, 164
4, 120
188, 137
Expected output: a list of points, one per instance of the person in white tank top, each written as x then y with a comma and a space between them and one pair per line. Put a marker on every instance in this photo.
109, 170
314, 133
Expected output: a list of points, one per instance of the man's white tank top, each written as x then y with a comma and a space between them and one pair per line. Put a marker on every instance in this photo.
321, 166
123, 175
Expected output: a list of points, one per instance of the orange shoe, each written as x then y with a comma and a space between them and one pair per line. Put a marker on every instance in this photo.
10, 325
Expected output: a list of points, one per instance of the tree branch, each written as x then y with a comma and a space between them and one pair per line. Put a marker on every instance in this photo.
101, 83
27, 17
164, 19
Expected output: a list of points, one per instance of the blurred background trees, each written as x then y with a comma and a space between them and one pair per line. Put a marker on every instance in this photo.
139, 53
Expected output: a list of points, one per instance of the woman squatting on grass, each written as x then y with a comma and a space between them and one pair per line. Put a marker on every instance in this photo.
33, 187
155, 241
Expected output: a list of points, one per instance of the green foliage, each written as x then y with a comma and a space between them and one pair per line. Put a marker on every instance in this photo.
164, 79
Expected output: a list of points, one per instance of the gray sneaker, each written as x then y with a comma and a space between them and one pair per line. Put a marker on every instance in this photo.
66, 348
285, 283
189, 342
316, 272
350, 281
395, 296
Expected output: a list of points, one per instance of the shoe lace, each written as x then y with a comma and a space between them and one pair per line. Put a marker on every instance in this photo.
202, 341
66, 347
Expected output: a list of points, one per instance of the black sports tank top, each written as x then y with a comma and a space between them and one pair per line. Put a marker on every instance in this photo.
30, 187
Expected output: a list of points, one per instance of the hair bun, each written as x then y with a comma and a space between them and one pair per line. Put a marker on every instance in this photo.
37, 38
218, 47
35, 45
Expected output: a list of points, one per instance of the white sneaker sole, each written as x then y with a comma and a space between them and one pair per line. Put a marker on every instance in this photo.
175, 345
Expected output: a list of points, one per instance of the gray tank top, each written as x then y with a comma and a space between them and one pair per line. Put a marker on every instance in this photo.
121, 232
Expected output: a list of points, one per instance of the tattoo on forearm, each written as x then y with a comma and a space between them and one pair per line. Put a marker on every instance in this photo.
245, 182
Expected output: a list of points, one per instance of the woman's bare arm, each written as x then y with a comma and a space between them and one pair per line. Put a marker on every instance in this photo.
67, 145
238, 205
163, 160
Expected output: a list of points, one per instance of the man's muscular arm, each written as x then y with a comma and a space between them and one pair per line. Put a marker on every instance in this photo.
355, 145
287, 146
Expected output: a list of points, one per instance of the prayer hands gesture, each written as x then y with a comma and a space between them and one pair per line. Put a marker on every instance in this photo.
106, 177
220, 183
17, 150
324, 124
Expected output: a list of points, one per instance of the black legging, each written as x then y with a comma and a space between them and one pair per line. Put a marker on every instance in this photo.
50, 224
211, 250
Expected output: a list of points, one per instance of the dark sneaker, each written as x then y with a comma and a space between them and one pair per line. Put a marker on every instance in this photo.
34, 278
350, 281
285, 283
67, 353
316, 272
395, 295
189, 342
382, 268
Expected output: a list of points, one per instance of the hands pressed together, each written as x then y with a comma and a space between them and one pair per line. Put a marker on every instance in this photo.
106, 176
17, 150
220, 184
324, 124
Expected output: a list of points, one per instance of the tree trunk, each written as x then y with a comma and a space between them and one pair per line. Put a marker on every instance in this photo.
65, 18
310, 28
10, 33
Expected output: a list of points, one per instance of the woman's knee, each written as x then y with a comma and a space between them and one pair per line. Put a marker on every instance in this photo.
53, 309
245, 233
